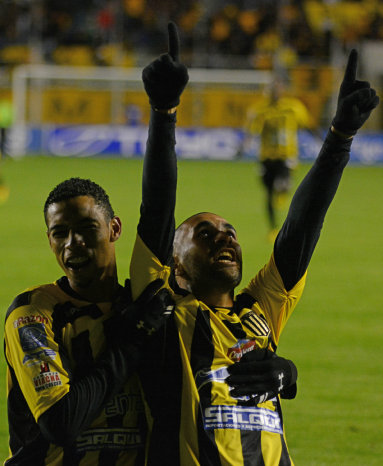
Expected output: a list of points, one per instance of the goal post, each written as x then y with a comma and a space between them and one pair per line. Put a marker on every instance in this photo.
45, 96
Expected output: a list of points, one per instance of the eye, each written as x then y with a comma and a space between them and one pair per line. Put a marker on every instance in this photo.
203, 233
59, 233
231, 233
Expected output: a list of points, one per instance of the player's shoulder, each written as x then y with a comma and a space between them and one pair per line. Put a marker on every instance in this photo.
293, 104
31, 299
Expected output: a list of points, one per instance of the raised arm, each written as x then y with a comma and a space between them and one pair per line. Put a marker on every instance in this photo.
164, 81
300, 232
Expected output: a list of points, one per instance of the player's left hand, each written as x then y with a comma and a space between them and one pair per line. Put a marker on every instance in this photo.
135, 321
261, 372
165, 78
356, 100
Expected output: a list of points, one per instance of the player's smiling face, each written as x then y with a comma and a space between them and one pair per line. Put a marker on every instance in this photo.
207, 252
82, 239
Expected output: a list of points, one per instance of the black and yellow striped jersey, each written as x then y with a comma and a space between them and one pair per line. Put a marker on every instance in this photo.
52, 338
194, 418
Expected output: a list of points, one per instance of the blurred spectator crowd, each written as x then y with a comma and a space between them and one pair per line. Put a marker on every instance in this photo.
214, 33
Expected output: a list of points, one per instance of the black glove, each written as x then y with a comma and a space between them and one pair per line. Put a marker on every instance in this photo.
135, 321
261, 374
356, 100
165, 78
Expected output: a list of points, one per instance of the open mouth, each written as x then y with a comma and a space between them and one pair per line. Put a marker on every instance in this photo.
76, 263
225, 256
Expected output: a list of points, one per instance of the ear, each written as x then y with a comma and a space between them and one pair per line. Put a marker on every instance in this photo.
49, 239
115, 229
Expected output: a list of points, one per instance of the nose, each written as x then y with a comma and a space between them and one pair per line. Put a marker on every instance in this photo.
223, 237
74, 239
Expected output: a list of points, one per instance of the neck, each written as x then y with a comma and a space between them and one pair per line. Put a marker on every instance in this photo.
100, 291
217, 299
213, 297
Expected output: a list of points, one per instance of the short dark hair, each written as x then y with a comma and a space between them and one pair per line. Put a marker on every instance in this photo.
74, 187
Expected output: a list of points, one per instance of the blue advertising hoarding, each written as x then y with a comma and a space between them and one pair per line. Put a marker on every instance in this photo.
196, 143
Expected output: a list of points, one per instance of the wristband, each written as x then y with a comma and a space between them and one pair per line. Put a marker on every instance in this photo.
340, 134
168, 111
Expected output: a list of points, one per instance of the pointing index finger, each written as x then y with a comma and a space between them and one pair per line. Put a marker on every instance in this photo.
350, 73
174, 41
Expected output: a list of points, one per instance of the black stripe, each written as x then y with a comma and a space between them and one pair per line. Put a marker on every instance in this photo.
82, 352
83, 358
202, 356
242, 301
236, 329
108, 457
161, 377
22, 299
252, 449
285, 457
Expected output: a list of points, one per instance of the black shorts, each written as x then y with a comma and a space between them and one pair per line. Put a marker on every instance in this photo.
276, 175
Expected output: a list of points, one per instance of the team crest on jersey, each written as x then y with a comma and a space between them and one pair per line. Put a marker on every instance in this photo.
47, 378
240, 348
257, 324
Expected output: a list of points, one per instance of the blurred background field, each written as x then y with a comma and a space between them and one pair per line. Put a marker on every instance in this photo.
335, 335
70, 88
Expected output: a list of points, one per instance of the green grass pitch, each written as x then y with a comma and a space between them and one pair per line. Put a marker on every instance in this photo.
334, 335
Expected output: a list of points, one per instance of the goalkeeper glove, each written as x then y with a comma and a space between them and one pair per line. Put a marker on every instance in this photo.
135, 321
165, 78
356, 101
262, 375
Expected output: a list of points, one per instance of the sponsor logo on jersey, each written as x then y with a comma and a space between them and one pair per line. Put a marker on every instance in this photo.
25, 320
113, 439
219, 375
46, 379
242, 418
36, 357
240, 348
203, 377
32, 337
123, 403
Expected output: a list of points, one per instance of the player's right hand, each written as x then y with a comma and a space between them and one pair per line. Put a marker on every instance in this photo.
356, 100
165, 78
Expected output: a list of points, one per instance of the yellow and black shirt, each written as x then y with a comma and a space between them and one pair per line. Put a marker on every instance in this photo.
52, 340
193, 418
277, 123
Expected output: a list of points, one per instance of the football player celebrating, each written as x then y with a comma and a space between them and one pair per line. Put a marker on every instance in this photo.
72, 346
205, 407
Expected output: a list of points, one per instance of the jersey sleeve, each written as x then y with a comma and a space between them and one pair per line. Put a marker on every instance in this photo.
33, 355
277, 303
145, 267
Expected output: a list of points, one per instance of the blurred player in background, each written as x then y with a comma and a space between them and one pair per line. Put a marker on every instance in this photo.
276, 121
5, 123
72, 347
